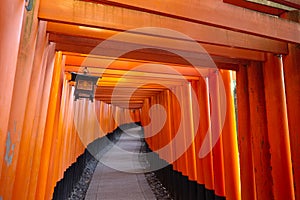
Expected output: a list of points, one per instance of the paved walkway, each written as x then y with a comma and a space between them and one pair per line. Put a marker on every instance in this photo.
119, 174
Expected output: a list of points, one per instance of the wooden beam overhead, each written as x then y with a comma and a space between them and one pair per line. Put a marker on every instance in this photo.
152, 87
133, 105
132, 85
290, 3
98, 62
255, 6
138, 82
271, 4
235, 56
119, 96
218, 14
124, 91
104, 16
120, 100
87, 45
137, 79
120, 67
132, 74
216, 37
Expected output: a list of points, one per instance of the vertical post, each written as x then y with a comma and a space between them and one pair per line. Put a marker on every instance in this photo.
58, 139
259, 132
216, 128
183, 160
147, 121
230, 147
291, 63
145, 118
10, 35
190, 133
278, 128
150, 129
52, 160
205, 129
41, 117
164, 134
28, 140
198, 137
46, 148
169, 126
248, 191
63, 152
76, 149
18, 103
175, 122
154, 132
159, 137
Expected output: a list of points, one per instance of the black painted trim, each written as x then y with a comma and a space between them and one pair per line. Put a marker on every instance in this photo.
178, 185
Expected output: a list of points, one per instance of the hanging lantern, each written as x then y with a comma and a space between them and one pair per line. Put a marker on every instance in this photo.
84, 85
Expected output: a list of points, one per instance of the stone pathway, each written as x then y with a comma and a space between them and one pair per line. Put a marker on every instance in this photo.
119, 174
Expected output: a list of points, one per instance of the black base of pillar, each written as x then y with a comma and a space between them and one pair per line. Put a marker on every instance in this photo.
219, 198
209, 194
179, 186
200, 192
192, 190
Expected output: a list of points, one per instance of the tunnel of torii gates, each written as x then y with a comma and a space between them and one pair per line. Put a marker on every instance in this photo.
152, 72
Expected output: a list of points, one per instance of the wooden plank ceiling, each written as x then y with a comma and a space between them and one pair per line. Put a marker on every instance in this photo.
231, 35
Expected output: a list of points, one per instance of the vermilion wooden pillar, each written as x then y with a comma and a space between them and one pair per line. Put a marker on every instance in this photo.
248, 191
278, 128
184, 159
33, 128
84, 117
165, 134
145, 118
10, 35
79, 147
190, 133
179, 144
63, 156
176, 115
150, 130
199, 137
259, 132
230, 146
76, 147
41, 117
148, 122
160, 138
53, 161
155, 144
28, 140
170, 128
46, 148
291, 65
56, 138
167, 126
19, 102
218, 162
204, 129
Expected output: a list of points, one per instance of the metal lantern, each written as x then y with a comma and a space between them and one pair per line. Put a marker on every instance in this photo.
84, 85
